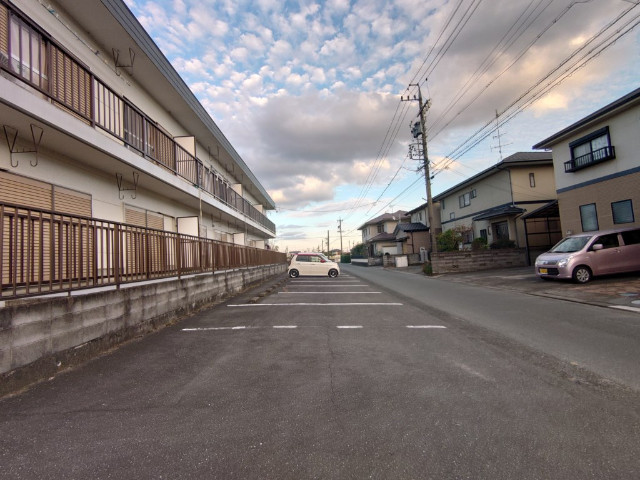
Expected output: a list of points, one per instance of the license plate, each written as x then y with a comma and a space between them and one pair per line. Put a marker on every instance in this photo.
544, 271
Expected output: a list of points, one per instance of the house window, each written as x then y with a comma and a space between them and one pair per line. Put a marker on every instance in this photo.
484, 234
442, 204
622, 211
465, 200
381, 228
420, 216
474, 193
590, 150
452, 216
532, 180
589, 217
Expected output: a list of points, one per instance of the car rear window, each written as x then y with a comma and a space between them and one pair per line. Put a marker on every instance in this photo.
631, 238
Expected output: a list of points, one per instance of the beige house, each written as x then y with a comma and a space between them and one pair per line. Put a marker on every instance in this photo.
490, 204
98, 124
597, 168
378, 234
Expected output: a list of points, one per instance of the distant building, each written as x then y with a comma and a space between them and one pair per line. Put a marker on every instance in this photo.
378, 233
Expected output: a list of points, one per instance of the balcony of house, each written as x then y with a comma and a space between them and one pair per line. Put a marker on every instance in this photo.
29, 55
46, 252
590, 159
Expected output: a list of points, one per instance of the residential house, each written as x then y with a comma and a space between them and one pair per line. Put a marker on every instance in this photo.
99, 126
378, 233
415, 235
490, 204
597, 168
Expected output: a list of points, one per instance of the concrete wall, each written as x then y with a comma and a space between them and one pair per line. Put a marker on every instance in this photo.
42, 335
472, 261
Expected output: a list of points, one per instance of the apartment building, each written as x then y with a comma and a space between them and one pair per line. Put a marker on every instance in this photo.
597, 168
98, 123
102, 134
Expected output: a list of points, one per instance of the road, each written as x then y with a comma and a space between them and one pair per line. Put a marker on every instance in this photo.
604, 341
332, 378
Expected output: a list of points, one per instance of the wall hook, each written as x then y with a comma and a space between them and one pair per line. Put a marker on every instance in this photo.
116, 60
124, 188
11, 134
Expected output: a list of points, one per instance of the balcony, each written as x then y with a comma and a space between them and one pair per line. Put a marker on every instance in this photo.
593, 158
54, 72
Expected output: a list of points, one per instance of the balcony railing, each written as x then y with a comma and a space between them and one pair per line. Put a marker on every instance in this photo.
593, 158
47, 252
29, 54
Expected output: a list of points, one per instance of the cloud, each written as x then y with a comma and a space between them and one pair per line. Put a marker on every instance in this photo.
309, 93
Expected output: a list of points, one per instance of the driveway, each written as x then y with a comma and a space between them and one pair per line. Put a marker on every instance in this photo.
619, 291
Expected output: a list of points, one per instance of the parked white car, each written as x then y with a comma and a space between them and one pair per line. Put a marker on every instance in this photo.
312, 264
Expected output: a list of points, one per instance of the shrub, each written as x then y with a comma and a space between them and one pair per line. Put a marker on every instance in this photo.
503, 243
345, 258
448, 241
479, 243
359, 250
427, 268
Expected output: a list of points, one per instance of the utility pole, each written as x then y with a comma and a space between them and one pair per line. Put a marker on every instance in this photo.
328, 249
425, 159
340, 231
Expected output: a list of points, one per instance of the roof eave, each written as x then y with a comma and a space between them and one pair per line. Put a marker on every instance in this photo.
607, 111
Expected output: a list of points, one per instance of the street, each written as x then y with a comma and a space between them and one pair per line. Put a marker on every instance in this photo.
374, 374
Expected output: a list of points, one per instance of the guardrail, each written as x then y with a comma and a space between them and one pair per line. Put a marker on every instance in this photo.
47, 252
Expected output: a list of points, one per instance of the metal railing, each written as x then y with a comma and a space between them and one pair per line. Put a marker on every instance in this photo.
592, 158
47, 252
37, 60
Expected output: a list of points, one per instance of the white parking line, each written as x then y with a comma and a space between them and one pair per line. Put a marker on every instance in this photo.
628, 309
292, 327
206, 329
307, 304
331, 292
426, 326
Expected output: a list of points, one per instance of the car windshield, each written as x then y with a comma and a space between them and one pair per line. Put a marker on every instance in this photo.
570, 244
322, 256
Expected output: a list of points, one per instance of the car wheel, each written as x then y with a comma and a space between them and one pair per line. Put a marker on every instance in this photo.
294, 273
333, 273
582, 274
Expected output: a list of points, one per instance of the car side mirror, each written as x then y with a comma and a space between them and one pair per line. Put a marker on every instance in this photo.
597, 246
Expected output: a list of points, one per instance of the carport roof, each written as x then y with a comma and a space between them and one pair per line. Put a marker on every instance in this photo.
549, 210
503, 211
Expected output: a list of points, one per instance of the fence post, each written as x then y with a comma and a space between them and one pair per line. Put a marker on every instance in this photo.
116, 254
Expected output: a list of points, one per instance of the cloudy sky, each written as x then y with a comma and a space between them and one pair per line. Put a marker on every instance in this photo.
309, 92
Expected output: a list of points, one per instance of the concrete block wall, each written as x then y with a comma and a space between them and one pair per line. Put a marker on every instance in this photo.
472, 261
38, 336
